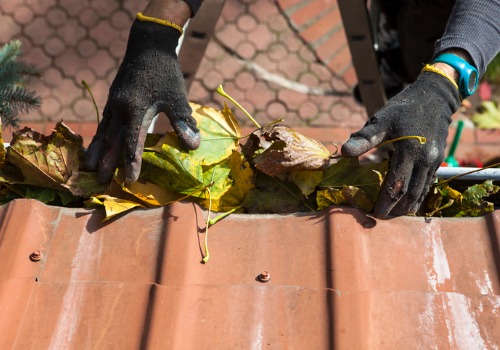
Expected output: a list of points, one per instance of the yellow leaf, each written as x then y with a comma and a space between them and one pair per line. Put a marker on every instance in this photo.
350, 195
242, 181
113, 205
152, 194
328, 197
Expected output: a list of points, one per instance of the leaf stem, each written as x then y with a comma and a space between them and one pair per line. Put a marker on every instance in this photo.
222, 216
221, 92
207, 225
84, 83
421, 139
281, 120
447, 205
207, 253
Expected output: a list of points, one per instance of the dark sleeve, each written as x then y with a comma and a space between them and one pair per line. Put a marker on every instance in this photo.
195, 5
474, 26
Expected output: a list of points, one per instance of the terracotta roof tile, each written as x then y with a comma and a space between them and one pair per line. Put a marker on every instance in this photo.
338, 279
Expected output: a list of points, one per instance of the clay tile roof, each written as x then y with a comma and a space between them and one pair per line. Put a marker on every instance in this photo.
338, 279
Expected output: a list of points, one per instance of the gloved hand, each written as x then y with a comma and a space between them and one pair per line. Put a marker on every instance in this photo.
424, 108
149, 81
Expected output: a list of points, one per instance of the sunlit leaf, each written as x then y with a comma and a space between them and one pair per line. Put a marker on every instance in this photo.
219, 131
242, 177
471, 203
175, 171
172, 169
151, 194
328, 196
113, 205
170, 166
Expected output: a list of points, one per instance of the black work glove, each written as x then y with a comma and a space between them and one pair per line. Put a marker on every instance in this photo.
149, 81
424, 108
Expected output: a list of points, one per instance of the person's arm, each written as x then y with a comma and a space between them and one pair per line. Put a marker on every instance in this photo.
175, 11
425, 108
473, 32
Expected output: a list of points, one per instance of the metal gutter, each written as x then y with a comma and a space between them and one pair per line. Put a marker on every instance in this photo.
481, 174
338, 279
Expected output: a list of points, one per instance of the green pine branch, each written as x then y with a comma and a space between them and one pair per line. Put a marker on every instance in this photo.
14, 98
10, 51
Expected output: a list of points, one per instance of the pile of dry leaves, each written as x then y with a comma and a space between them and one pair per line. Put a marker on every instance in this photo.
272, 170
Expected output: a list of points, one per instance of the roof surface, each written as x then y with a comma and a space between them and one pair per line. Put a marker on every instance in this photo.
338, 279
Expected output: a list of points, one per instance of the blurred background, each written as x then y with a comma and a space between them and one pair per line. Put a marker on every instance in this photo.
279, 58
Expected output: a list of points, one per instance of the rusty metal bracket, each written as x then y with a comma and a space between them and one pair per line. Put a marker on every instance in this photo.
357, 25
196, 38
356, 20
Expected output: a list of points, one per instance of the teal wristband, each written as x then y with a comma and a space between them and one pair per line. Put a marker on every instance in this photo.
468, 76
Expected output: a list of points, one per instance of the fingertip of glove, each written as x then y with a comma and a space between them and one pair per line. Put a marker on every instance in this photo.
132, 170
193, 142
132, 177
188, 135
92, 157
355, 147
381, 213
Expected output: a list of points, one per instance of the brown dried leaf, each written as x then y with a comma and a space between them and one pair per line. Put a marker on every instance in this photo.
288, 151
46, 161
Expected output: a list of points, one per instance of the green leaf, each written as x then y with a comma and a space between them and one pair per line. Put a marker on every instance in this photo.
44, 195
172, 169
191, 173
274, 196
242, 177
306, 180
219, 131
471, 203
176, 171
348, 172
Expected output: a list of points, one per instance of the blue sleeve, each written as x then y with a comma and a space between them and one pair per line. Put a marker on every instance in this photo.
474, 26
195, 5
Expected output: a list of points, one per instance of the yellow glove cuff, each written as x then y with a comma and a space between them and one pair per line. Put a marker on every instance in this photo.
429, 68
163, 22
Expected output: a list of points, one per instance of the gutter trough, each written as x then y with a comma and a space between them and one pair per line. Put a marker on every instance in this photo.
333, 279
